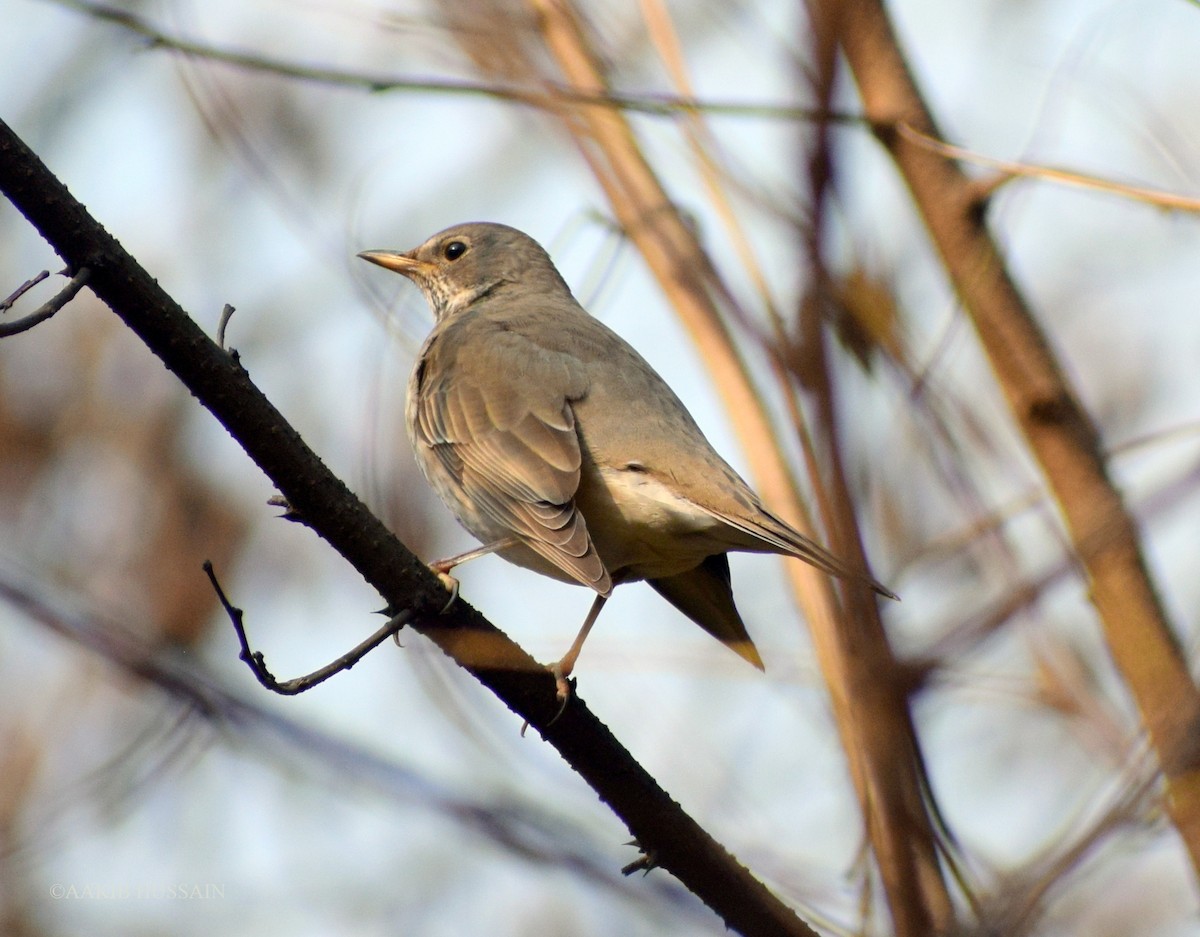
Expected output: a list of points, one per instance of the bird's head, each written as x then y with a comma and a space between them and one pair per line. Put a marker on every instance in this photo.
465, 263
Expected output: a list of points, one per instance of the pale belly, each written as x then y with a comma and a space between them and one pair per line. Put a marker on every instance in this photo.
642, 529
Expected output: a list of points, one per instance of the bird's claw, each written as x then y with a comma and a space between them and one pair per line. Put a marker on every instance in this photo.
451, 585
564, 689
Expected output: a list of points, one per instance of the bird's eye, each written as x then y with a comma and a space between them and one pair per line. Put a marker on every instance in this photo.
454, 250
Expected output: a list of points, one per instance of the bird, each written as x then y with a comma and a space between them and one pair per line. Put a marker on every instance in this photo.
561, 449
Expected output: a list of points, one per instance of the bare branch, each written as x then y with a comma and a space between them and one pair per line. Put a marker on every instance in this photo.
1008, 169
1060, 432
21, 290
47, 309
653, 105
297, 685
536, 835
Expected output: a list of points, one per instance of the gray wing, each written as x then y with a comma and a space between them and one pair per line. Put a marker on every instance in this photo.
502, 426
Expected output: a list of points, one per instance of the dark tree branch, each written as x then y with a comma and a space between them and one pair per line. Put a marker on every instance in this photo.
660, 826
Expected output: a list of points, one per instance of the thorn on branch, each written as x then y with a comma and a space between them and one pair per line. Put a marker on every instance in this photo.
289, 512
389, 612
257, 663
644, 863
47, 309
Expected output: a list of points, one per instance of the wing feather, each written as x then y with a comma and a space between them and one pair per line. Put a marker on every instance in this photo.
774, 535
515, 457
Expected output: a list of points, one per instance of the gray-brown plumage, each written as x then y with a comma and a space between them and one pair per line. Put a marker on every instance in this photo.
554, 442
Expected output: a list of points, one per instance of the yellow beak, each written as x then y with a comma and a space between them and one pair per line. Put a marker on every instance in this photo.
400, 263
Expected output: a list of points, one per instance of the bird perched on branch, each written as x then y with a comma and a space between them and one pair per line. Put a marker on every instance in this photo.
563, 451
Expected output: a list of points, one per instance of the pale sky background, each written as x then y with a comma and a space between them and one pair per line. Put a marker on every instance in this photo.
305, 838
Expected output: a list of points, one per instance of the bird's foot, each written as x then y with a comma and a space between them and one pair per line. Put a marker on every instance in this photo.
441, 568
564, 688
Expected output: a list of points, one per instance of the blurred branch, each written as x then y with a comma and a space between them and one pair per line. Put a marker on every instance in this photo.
1008, 170
904, 824
530, 832
1059, 431
47, 309
650, 104
961, 637
1022, 900
888, 777
329, 508
702, 144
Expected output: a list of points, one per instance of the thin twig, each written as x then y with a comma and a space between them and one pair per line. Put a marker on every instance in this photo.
47, 309
21, 290
257, 663
1156, 197
226, 315
655, 105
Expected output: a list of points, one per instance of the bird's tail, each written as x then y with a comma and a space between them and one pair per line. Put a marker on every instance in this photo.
705, 595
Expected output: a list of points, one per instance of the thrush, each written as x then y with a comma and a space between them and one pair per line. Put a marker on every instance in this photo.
562, 450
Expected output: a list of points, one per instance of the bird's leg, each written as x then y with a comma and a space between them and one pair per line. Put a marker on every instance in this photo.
562, 669
441, 568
